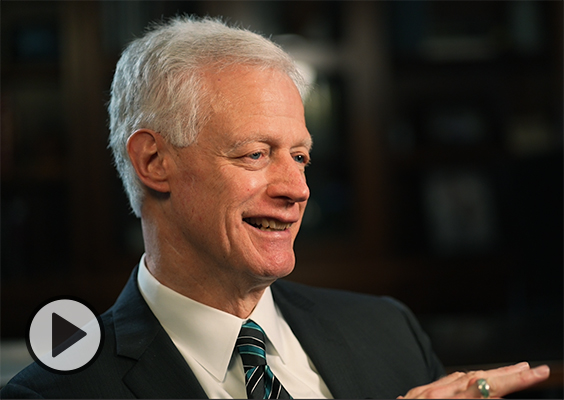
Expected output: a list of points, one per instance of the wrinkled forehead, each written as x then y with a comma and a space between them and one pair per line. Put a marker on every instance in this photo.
254, 101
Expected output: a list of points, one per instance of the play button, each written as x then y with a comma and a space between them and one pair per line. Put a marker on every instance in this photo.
64, 335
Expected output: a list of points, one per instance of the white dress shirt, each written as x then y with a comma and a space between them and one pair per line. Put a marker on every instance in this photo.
206, 338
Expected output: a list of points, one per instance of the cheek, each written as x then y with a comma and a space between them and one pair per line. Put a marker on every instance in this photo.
223, 193
254, 183
223, 199
244, 184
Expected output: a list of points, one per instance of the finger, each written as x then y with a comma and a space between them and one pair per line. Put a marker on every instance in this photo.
511, 369
459, 384
506, 370
474, 376
464, 385
504, 384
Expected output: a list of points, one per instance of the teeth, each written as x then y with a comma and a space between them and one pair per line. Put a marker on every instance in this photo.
268, 224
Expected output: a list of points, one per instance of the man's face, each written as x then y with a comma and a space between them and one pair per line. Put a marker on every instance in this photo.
239, 193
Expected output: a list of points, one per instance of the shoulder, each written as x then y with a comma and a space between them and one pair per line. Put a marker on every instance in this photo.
333, 301
378, 317
382, 327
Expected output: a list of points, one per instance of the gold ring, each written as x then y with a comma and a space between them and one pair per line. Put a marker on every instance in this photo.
484, 388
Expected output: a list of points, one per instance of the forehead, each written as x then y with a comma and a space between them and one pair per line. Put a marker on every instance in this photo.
230, 86
246, 100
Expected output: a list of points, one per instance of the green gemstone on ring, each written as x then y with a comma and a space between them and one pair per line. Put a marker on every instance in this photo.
484, 388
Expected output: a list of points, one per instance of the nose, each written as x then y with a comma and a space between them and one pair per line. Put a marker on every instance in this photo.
287, 181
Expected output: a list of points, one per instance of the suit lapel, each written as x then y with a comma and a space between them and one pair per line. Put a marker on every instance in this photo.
329, 353
160, 370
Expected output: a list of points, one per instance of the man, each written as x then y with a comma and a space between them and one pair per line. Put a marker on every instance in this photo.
209, 137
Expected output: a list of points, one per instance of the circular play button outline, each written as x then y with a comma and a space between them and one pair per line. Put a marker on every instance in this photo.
65, 335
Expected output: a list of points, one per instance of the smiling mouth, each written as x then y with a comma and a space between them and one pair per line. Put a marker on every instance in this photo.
267, 224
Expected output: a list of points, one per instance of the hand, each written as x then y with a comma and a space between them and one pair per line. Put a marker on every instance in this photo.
502, 381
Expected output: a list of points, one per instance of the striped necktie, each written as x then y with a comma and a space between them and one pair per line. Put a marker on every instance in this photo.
260, 382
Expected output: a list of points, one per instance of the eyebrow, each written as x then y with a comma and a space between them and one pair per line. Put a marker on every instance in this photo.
307, 143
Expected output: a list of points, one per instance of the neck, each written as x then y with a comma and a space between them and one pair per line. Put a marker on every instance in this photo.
213, 286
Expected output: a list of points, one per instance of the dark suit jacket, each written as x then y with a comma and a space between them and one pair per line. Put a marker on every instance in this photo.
363, 347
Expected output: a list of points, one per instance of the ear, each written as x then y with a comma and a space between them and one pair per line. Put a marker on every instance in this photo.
147, 152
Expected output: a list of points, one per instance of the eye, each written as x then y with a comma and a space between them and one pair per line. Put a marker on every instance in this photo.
255, 155
301, 158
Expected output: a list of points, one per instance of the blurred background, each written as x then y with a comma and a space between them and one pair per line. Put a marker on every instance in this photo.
436, 176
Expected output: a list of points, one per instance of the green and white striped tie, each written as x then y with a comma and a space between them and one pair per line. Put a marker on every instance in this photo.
260, 382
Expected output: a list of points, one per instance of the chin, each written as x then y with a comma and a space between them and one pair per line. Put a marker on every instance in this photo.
277, 269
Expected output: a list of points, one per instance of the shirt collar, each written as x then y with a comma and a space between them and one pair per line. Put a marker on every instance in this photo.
211, 340
268, 316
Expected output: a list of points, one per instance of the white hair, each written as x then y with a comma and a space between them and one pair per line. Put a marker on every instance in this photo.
158, 83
